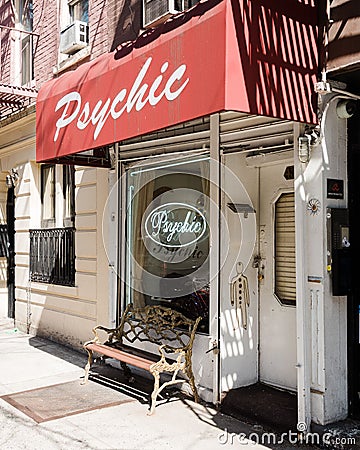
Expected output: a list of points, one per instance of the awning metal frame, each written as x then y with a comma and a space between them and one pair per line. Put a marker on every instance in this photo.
14, 98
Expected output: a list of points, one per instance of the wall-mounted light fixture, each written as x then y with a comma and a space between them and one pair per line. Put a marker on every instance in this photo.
310, 138
241, 208
304, 148
12, 178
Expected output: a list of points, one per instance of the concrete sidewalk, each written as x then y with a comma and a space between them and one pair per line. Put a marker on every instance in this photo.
28, 362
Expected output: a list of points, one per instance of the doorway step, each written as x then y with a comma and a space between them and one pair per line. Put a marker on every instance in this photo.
263, 405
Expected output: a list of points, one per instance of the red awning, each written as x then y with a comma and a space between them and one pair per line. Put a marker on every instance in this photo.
233, 55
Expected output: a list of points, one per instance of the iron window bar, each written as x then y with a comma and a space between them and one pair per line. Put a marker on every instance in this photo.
52, 256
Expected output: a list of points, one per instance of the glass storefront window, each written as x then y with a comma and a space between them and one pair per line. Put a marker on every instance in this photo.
168, 237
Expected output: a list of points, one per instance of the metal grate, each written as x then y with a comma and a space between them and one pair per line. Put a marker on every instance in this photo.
4, 241
52, 256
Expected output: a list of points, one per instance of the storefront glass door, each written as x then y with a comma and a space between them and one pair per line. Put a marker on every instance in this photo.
167, 250
167, 236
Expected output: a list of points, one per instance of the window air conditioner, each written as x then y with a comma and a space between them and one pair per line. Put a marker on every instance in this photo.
156, 12
74, 37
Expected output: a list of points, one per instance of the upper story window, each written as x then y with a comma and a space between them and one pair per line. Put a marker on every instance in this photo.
156, 12
74, 35
79, 10
25, 15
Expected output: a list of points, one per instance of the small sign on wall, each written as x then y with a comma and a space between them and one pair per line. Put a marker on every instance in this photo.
335, 188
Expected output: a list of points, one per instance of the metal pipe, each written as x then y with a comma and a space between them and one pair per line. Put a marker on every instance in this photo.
345, 93
130, 157
160, 142
178, 148
19, 30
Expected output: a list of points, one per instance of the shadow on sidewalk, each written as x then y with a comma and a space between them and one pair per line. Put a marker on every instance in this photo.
59, 351
236, 416
103, 374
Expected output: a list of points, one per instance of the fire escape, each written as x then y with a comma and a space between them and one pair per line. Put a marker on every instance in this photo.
16, 92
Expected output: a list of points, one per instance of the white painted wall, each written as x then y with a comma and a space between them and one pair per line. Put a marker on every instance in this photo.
326, 327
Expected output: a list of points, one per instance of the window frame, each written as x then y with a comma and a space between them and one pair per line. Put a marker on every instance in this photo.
48, 222
68, 180
52, 246
74, 14
25, 14
63, 198
283, 301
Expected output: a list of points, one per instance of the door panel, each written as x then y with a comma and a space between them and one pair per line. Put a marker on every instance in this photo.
277, 318
239, 346
266, 350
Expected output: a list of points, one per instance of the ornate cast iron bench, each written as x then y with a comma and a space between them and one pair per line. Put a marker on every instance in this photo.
170, 330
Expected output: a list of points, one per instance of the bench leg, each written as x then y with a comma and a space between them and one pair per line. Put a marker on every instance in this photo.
155, 391
87, 367
191, 377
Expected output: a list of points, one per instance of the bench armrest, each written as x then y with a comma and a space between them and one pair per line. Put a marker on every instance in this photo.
179, 351
96, 339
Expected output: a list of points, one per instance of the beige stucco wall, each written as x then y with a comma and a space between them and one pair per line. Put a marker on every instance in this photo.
64, 314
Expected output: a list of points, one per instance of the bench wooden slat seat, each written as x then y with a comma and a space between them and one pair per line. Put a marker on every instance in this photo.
172, 332
120, 355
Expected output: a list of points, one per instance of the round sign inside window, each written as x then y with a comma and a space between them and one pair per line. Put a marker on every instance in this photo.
175, 225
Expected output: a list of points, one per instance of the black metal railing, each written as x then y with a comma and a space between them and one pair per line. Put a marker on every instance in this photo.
52, 256
4, 241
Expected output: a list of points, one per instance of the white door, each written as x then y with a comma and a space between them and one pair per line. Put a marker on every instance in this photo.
277, 286
266, 349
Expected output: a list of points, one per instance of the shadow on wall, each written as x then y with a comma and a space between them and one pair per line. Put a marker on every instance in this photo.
276, 46
344, 36
129, 23
277, 43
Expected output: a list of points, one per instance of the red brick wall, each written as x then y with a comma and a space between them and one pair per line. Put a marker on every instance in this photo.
124, 21
111, 22
344, 34
7, 19
46, 23
98, 38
